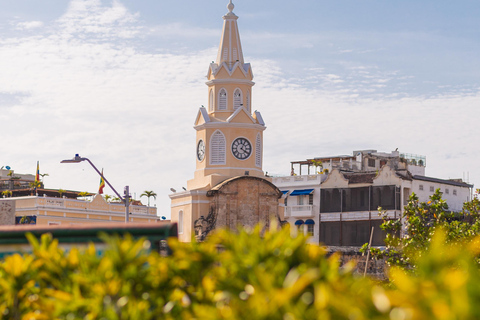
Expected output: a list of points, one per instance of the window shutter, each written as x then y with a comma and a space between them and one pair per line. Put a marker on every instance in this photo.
235, 56
237, 99
217, 148
210, 103
258, 151
222, 103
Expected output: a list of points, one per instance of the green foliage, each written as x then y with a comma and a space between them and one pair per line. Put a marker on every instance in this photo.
149, 194
422, 220
446, 283
83, 194
242, 275
7, 193
35, 184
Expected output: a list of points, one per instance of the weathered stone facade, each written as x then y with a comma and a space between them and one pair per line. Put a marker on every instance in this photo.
244, 201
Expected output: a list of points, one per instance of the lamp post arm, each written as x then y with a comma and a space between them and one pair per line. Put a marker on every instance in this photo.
106, 181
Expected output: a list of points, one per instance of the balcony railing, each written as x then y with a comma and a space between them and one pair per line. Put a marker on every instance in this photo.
48, 202
300, 211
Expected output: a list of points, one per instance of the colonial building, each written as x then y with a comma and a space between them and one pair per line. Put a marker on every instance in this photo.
228, 188
11, 181
24, 204
46, 210
337, 200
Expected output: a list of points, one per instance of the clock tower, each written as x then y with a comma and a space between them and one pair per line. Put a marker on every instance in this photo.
229, 133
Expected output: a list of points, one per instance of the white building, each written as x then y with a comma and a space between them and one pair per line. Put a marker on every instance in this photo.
339, 196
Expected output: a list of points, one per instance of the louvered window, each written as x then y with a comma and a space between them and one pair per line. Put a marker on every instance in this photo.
237, 99
210, 102
235, 56
225, 54
258, 151
222, 100
248, 101
217, 148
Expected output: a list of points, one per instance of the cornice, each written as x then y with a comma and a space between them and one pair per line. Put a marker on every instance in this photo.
187, 193
228, 81
229, 125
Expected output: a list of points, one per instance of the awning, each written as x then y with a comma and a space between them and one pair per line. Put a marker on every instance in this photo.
301, 192
309, 221
285, 191
298, 222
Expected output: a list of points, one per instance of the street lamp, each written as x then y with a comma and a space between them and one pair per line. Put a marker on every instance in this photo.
125, 200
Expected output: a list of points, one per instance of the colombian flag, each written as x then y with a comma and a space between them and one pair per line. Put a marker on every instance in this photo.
102, 184
37, 176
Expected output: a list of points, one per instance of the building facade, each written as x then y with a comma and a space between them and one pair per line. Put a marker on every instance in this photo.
229, 146
43, 210
9, 180
345, 193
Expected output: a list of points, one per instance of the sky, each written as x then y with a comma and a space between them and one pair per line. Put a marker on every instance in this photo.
120, 82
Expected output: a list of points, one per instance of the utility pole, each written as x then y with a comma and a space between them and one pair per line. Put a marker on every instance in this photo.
126, 193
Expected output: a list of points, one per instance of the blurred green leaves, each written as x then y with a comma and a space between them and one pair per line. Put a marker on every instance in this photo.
420, 221
233, 275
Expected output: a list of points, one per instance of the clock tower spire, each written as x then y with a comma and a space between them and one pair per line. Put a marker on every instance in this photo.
230, 50
229, 149
229, 133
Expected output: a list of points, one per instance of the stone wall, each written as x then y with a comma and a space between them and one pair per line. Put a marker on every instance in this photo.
245, 203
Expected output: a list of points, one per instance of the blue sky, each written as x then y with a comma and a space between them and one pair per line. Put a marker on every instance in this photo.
121, 81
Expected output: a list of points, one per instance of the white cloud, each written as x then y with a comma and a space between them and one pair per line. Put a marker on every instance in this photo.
90, 17
132, 112
27, 25
182, 30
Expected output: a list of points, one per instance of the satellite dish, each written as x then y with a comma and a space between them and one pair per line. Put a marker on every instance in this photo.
7, 167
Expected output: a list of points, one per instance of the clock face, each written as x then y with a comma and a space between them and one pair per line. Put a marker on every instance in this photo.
241, 148
201, 150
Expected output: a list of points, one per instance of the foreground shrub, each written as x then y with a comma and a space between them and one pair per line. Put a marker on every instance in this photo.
421, 220
243, 275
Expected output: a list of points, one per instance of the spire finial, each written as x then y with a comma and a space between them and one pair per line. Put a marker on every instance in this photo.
230, 7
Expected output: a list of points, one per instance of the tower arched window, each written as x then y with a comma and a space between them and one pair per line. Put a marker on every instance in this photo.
218, 148
248, 101
237, 99
180, 222
258, 151
210, 101
222, 99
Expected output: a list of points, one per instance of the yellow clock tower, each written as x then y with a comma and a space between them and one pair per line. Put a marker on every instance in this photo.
229, 144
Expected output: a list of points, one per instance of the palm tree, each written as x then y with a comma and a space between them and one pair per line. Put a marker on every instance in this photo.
107, 198
149, 194
61, 192
35, 184
84, 194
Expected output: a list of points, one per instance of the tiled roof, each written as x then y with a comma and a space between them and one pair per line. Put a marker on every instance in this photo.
360, 177
404, 175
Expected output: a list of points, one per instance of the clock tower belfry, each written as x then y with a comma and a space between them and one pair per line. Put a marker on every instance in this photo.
229, 133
